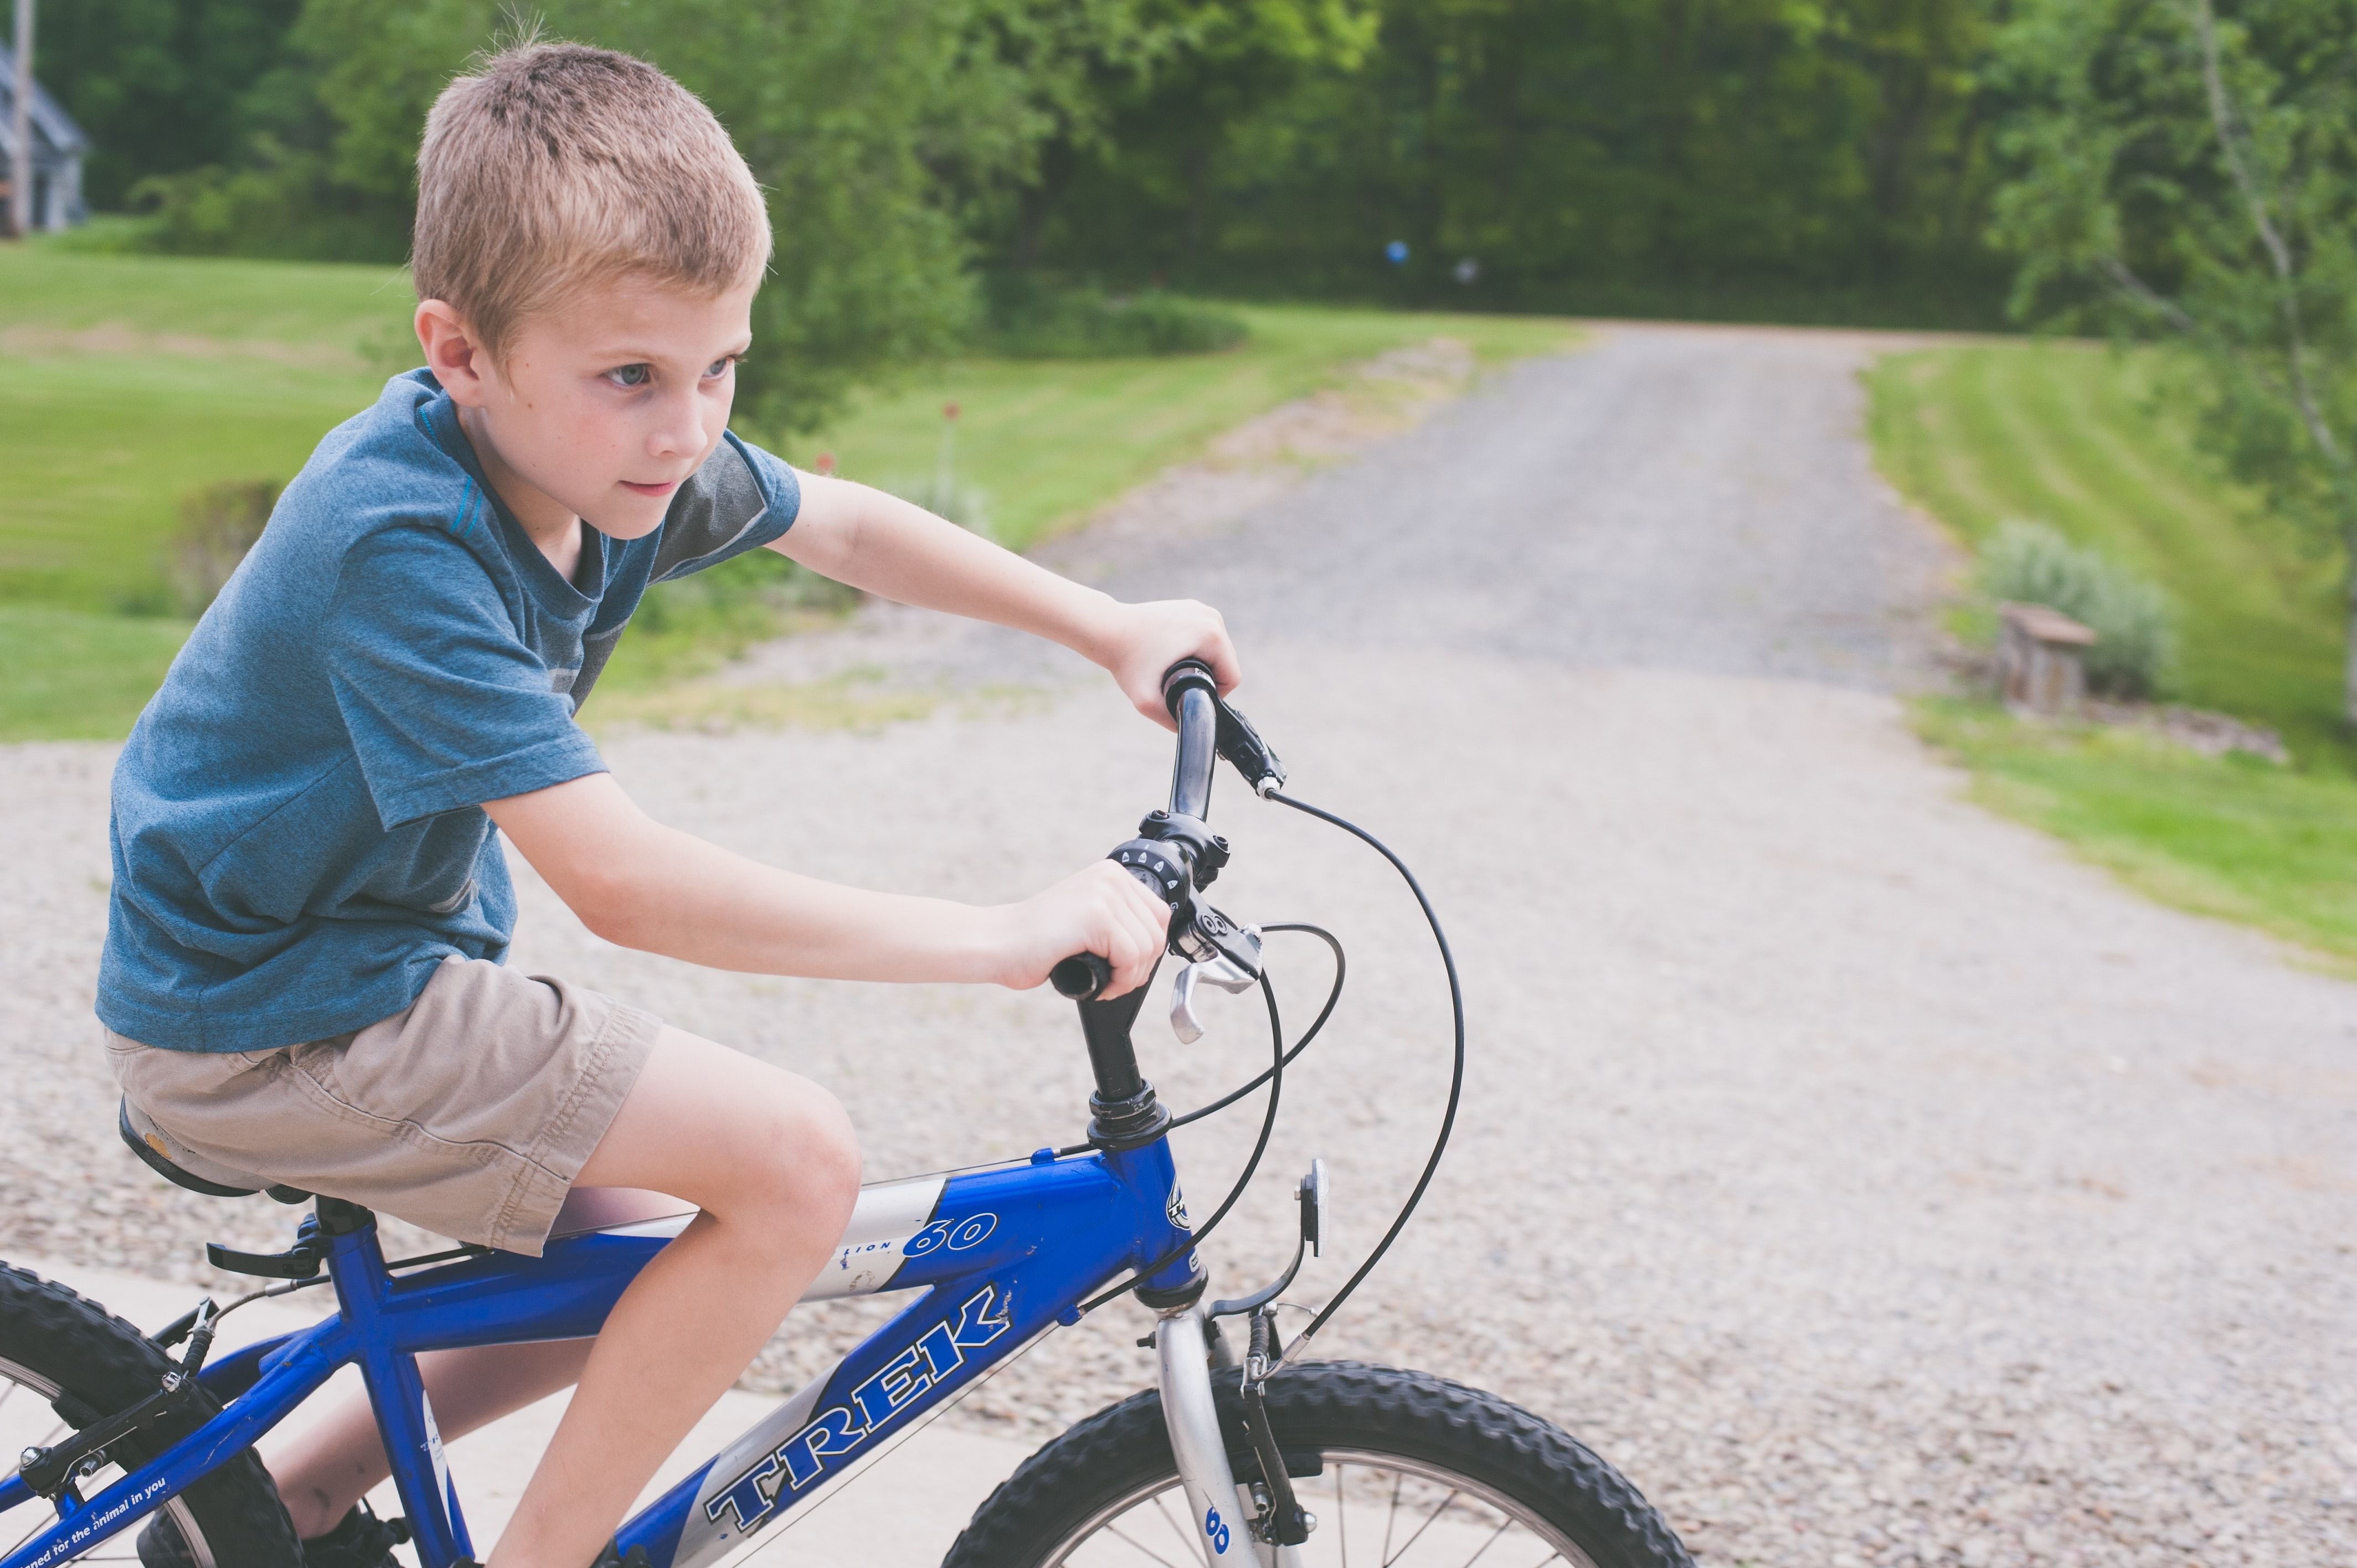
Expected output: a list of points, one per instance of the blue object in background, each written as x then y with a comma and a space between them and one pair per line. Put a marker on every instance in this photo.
1396, 252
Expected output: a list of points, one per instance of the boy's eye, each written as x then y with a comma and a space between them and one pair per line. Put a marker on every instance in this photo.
719, 366
631, 375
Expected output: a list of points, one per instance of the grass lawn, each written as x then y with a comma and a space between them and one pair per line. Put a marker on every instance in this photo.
77, 676
134, 379
2076, 437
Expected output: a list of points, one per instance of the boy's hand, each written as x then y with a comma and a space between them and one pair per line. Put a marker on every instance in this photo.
1103, 911
1147, 640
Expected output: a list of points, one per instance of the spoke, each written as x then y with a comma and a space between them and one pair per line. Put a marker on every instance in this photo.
1119, 1534
1398, 1480
1341, 1518
9, 1392
1550, 1557
1186, 1542
1501, 1530
45, 1524
1412, 1539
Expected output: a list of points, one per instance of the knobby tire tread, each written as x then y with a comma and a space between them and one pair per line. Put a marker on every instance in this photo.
104, 1364
1315, 1405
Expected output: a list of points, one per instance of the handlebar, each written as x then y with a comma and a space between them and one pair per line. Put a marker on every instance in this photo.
1081, 976
1177, 851
1194, 702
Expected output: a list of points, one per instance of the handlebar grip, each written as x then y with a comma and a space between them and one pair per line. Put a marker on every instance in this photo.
1081, 977
1186, 673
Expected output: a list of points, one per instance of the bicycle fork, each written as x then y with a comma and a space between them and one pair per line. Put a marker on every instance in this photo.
1223, 1520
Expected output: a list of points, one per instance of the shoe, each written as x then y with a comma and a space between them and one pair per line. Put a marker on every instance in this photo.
360, 1540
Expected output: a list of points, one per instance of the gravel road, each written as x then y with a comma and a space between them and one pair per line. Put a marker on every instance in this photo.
1870, 1180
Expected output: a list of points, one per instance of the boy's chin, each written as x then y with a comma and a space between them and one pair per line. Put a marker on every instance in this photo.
629, 516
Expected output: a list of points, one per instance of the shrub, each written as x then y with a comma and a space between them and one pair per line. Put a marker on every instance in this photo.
218, 525
1034, 319
2134, 625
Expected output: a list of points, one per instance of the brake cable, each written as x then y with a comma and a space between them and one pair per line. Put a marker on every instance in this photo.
1275, 1077
1457, 1070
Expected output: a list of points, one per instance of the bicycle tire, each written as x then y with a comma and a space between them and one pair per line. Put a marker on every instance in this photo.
1328, 1416
88, 1364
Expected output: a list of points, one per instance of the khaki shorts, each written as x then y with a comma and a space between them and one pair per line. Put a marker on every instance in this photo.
469, 1112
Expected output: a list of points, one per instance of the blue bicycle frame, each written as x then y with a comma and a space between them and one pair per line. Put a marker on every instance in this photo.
1000, 1255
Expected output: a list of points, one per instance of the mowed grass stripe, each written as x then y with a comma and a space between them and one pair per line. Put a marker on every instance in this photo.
2086, 442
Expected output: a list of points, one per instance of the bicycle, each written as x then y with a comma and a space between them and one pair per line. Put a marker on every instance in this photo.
1222, 1457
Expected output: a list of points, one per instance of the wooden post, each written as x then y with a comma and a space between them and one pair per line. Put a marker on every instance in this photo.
20, 173
2040, 658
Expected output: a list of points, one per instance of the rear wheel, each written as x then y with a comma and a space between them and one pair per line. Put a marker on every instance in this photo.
64, 1363
1398, 1468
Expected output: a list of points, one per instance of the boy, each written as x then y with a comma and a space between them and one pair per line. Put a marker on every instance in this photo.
301, 977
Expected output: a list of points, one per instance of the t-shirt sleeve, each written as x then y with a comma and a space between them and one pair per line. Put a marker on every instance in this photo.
445, 705
741, 499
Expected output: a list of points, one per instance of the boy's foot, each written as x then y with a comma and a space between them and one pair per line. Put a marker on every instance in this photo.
360, 1540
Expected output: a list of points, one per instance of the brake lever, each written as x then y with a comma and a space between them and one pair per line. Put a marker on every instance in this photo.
1216, 972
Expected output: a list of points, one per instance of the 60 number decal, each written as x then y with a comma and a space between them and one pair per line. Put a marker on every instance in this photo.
1216, 1529
956, 1235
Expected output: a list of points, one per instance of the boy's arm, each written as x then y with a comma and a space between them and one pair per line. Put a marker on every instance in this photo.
897, 551
639, 884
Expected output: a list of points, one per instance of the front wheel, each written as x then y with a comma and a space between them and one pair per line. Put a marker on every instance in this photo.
1398, 1468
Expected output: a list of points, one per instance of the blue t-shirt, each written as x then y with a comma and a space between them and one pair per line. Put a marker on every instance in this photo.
298, 838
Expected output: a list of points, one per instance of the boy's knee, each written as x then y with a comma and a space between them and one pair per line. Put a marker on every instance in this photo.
826, 1156
806, 1166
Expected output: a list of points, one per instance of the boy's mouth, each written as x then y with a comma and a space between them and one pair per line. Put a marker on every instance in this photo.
652, 490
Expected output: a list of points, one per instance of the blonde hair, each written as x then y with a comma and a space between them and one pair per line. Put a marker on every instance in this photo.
554, 167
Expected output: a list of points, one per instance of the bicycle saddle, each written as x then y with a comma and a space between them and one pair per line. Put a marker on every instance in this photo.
183, 1166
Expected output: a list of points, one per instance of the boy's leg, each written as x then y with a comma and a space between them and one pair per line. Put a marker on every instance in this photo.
322, 1471
769, 1159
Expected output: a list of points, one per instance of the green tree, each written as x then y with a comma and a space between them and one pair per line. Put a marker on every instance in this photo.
870, 123
1694, 145
2189, 170
160, 85
1166, 98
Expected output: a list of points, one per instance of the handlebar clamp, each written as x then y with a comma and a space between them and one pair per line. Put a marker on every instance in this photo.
1205, 850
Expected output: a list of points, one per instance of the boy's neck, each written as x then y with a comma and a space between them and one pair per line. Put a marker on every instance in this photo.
552, 526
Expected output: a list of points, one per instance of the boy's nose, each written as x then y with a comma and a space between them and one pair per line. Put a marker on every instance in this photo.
679, 433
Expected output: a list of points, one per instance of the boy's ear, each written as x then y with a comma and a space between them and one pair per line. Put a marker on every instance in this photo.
452, 353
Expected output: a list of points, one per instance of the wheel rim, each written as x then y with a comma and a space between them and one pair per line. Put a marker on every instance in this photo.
1373, 1510
27, 1420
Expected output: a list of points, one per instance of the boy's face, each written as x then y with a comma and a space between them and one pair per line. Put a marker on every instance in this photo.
601, 406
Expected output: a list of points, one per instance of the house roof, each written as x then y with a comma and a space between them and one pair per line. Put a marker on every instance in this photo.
53, 129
